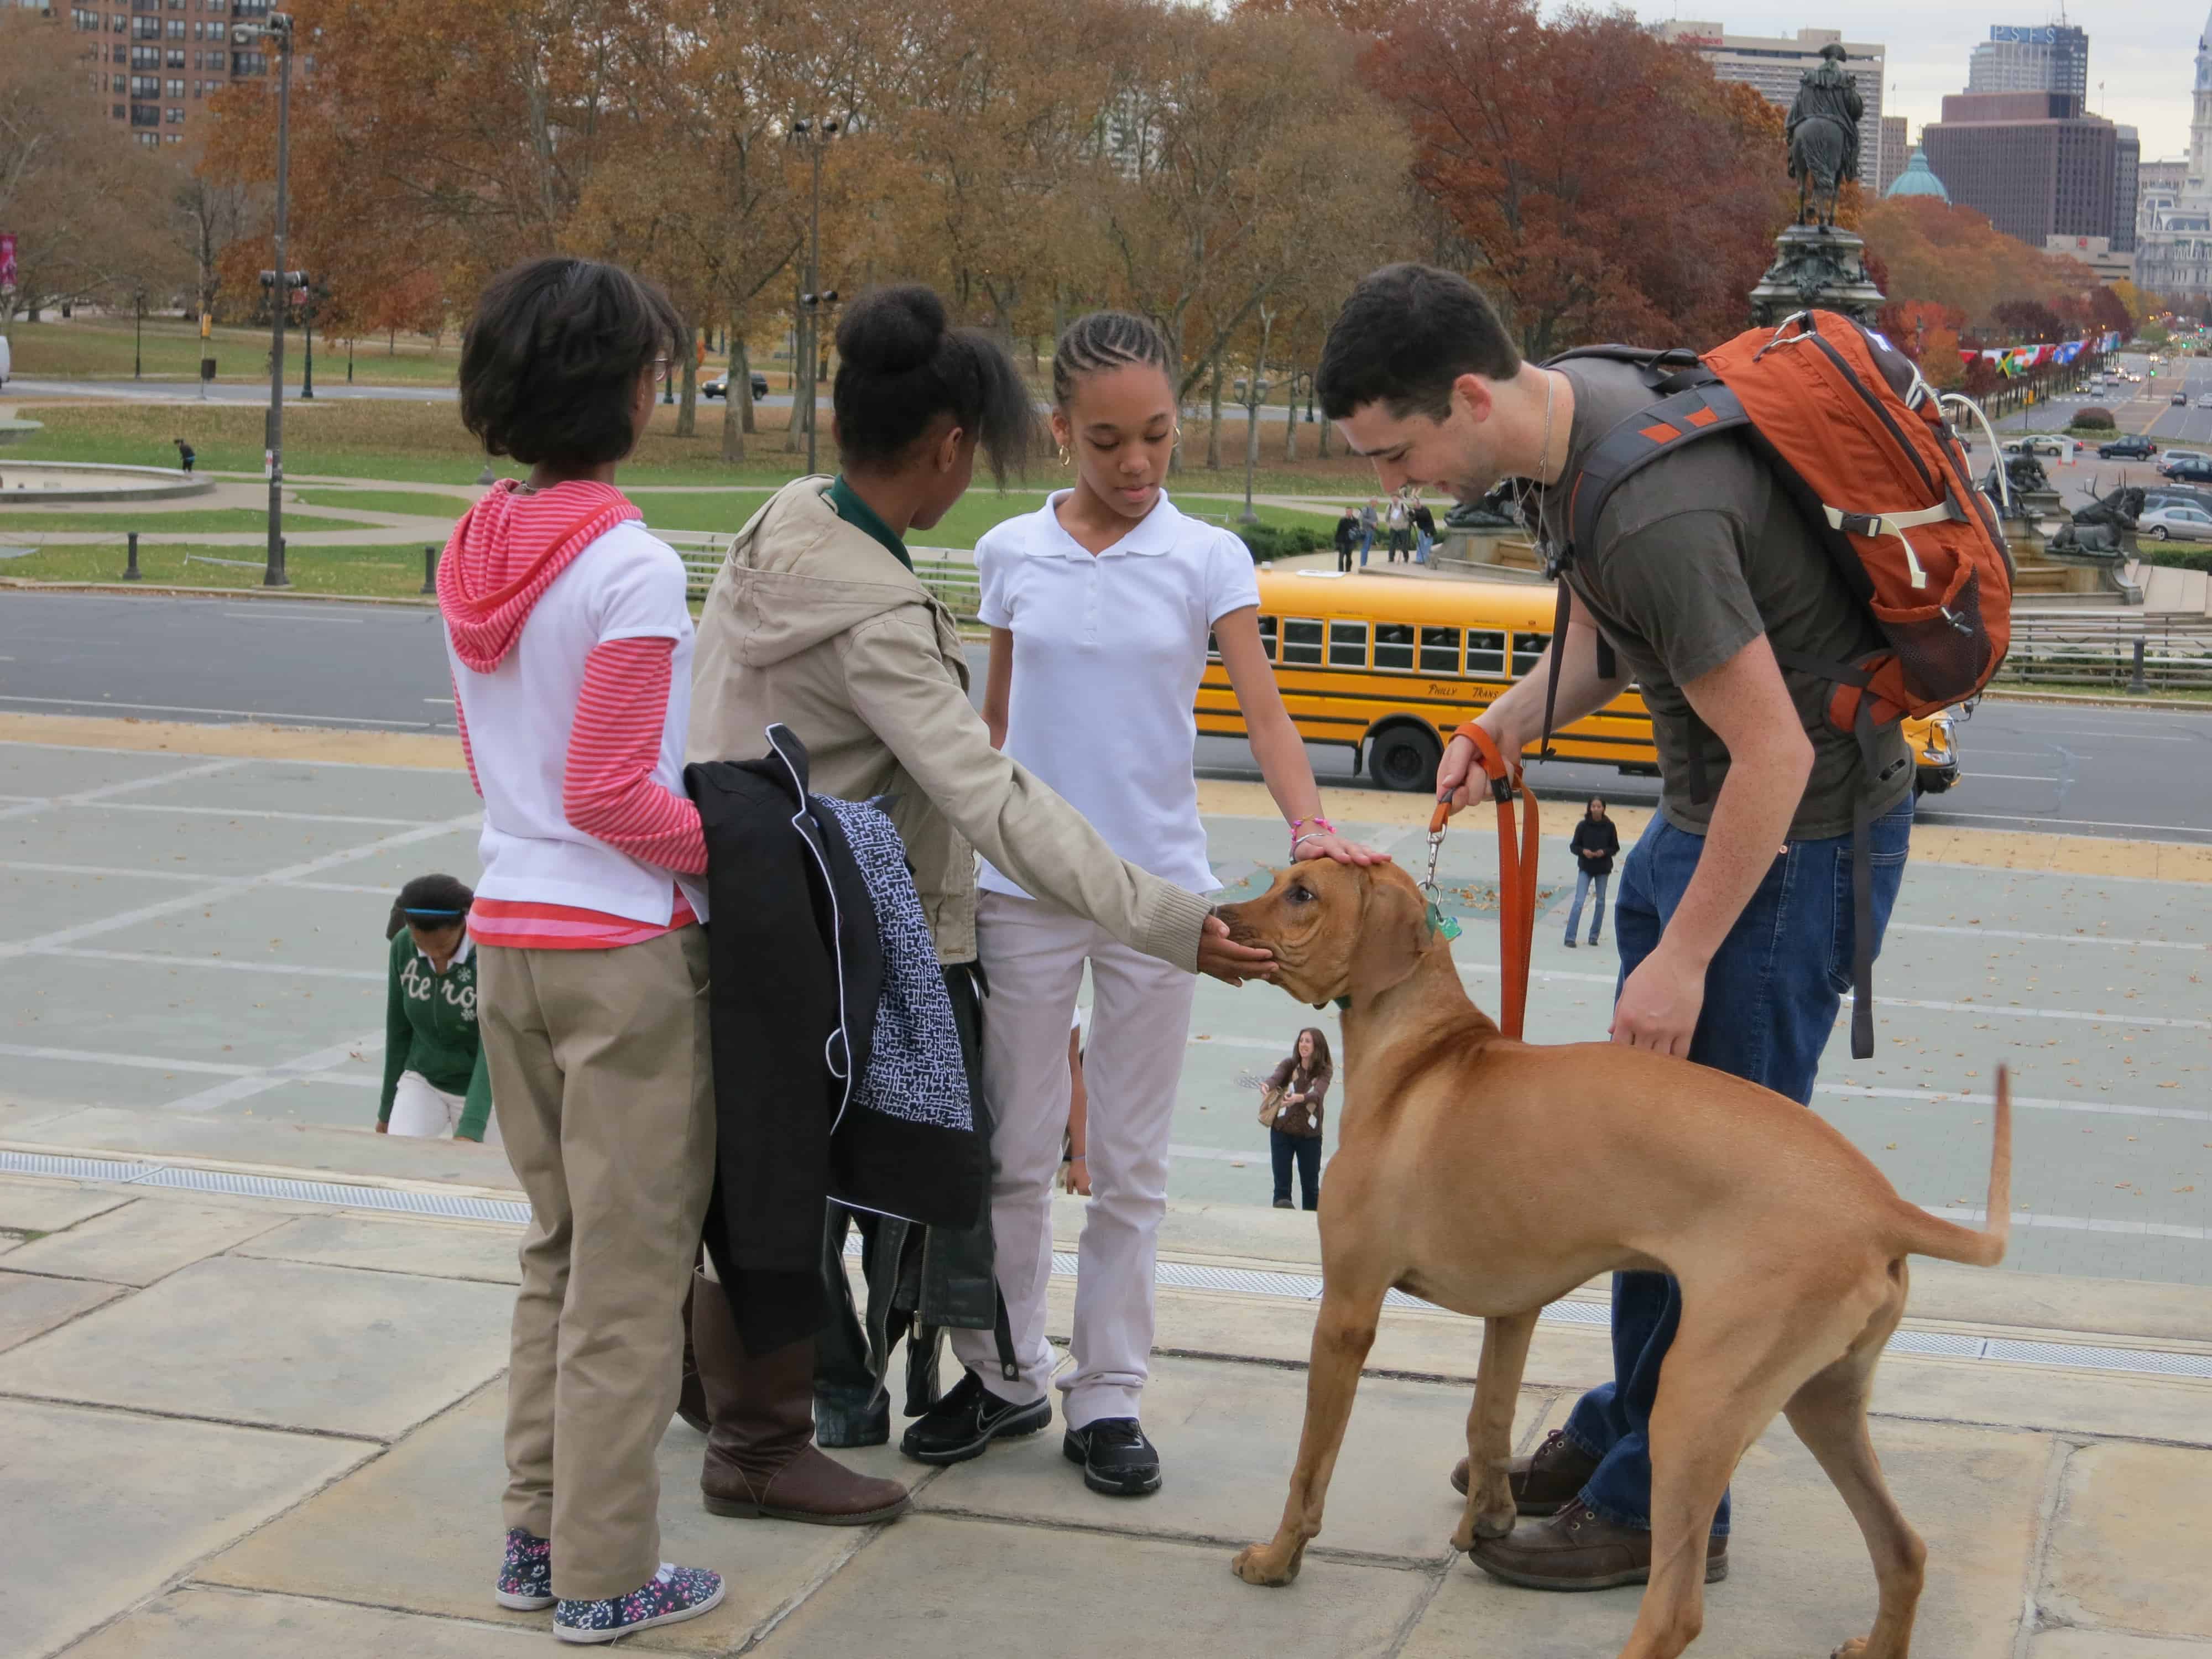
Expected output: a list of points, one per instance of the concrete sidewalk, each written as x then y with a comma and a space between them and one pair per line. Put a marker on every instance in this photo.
238, 1422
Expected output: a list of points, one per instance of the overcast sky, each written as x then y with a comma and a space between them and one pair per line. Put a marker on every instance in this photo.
2144, 52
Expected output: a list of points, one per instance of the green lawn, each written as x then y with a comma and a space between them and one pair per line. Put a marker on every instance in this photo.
215, 521
370, 572
418, 503
88, 348
424, 443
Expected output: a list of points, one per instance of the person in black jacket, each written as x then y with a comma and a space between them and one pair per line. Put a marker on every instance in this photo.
1596, 843
1347, 534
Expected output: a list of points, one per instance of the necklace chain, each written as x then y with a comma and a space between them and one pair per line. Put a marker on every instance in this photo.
1534, 523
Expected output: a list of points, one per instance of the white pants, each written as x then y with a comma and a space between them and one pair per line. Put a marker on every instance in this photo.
1033, 955
419, 1108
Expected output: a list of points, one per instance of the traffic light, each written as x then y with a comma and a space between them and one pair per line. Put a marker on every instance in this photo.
292, 279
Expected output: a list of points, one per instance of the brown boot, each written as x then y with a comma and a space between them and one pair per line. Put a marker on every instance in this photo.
760, 1455
1546, 1481
691, 1403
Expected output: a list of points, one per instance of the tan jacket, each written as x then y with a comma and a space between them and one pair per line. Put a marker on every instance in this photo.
812, 622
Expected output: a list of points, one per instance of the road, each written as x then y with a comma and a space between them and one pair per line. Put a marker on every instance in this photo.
2125, 772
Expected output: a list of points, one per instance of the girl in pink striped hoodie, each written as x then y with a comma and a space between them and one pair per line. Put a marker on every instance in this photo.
570, 646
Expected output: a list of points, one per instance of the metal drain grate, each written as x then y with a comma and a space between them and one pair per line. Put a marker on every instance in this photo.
1173, 1275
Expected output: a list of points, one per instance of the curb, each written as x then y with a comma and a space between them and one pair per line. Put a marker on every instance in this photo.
131, 590
2079, 699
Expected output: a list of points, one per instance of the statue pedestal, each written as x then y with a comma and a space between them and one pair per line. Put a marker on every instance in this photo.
1816, 266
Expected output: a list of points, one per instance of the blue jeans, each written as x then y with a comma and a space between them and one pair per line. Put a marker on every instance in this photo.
1584, 882
1366, 541
1772, 997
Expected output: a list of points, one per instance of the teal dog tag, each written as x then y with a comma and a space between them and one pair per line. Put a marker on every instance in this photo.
1442, 924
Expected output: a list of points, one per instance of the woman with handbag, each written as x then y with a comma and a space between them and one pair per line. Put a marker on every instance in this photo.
1291, 1108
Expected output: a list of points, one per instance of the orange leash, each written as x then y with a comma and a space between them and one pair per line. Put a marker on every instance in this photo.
1517, 873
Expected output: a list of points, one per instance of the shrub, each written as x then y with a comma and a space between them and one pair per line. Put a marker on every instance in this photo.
2095, 419
1273, 541
2176, 558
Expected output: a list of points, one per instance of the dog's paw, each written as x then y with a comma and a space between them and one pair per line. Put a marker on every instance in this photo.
1850, 1650
1474, 1528
1255, 1566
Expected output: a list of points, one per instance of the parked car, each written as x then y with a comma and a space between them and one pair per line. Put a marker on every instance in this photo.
2049, 443
2174, 457
2179, 522
2196, 473
2132, 447
719, 385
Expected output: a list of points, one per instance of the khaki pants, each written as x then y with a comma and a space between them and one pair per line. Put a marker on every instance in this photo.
602, 1081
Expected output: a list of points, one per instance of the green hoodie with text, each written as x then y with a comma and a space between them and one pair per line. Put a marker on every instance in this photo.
430, 1027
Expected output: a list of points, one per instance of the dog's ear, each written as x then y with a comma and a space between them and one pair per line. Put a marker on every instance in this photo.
1394, 931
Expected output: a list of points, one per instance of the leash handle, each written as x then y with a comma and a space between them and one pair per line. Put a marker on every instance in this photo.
1517, 873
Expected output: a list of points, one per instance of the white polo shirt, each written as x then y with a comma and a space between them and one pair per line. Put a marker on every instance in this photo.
1108, 649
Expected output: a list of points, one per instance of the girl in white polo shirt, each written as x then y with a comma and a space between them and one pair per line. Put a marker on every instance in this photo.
1099, 606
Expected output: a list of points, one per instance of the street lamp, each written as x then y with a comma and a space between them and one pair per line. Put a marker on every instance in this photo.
816, 134
138, 332
277, 31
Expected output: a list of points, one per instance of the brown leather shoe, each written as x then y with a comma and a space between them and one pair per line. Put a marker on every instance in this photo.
1577, 1550
1543, 1482
761, 1456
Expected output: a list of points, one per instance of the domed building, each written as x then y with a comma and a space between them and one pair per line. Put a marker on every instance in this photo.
1918, 179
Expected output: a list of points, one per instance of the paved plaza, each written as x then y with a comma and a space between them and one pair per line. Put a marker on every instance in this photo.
252, 1354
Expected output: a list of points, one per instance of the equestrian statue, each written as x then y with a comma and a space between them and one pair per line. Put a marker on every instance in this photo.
1823, 130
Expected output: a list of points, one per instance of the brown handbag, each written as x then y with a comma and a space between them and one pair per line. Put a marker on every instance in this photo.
1271, 1103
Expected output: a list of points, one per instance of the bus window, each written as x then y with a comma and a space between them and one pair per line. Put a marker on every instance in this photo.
1267, 637
1485, 652
1348, 645
1527, 652
1301, 642
1440, 651
1393, 645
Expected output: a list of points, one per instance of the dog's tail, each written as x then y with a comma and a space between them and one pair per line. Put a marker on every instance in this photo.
1928, 1235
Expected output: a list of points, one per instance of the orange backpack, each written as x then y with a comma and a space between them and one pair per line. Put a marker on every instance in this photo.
1859, 441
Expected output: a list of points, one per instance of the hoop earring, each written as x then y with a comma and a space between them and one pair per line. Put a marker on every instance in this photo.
1063, 455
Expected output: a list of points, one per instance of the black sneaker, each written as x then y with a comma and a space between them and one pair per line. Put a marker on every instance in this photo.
1116, 1458
961, 1425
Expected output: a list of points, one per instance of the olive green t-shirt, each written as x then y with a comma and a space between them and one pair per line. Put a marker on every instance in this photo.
1695, 557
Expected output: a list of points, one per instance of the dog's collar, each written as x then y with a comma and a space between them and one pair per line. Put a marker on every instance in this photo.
1343, 1003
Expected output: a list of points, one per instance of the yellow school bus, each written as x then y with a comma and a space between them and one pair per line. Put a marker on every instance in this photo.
1391, 666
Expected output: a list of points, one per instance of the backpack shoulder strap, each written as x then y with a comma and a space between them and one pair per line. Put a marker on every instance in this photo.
1703, 409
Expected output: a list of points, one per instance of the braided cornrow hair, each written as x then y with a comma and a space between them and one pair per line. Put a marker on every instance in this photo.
1104, 340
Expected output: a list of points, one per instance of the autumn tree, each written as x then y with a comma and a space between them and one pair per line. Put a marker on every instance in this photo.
83, 200
1607, 186
1247, 153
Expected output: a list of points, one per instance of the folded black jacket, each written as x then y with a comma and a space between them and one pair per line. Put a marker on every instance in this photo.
798, 973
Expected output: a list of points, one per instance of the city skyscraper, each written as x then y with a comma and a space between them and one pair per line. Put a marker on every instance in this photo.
2030, 58
2173, 254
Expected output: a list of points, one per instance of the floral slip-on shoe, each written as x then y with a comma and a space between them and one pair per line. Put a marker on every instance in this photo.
525, 1576
671, 1595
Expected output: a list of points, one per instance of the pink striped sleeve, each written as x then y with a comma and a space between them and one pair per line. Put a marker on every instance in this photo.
608, 790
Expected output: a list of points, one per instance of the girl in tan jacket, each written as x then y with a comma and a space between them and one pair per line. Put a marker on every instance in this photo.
817, 621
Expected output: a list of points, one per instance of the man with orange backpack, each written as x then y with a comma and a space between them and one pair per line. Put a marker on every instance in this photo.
1779, 544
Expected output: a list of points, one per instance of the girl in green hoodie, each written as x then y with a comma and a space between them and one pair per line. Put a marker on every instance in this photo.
434, 1081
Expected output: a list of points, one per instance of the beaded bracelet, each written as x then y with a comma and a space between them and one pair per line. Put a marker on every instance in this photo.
1322, 827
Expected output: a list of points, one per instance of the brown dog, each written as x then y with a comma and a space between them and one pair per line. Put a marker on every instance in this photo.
1491, 1176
